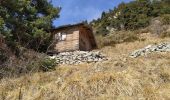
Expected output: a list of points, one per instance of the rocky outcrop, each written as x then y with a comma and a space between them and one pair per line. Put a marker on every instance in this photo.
78, 57
162, 47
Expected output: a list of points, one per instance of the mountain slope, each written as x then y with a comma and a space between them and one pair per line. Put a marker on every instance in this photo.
134, 15
121, 77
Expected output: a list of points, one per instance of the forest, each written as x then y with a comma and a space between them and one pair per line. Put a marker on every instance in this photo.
132, 16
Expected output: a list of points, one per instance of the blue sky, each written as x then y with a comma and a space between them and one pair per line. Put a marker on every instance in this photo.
75, 11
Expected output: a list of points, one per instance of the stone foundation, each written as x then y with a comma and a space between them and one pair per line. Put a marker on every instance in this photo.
78, 57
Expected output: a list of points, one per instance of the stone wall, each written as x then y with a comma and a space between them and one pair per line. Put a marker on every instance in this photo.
78, 57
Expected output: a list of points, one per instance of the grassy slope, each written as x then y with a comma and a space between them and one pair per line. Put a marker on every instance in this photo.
119, 78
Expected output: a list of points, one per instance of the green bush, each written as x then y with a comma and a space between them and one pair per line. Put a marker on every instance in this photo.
48, 64
41, 64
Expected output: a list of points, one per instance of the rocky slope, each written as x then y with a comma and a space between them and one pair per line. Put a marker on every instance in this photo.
161, 47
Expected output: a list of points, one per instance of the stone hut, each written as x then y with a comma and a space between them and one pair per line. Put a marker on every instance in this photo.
72, 37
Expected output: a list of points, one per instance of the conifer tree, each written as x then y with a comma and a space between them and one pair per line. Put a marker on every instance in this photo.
26, 22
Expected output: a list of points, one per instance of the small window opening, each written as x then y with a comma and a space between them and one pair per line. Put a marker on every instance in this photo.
60, 36
63, 36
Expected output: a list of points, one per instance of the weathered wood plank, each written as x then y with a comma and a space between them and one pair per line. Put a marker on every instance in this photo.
79, 37
71, 42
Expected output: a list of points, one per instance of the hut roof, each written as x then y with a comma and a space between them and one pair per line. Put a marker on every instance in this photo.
70, 26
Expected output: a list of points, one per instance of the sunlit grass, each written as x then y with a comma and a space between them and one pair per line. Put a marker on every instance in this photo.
120, 77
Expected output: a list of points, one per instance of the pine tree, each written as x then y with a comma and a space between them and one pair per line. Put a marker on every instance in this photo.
26, 22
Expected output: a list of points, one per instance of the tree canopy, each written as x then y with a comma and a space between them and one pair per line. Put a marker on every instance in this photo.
26, 22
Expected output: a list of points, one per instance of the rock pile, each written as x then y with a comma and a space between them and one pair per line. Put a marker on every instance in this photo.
78, 57
162, 47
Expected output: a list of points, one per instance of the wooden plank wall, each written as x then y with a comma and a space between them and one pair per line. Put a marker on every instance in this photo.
85, 43
70, 44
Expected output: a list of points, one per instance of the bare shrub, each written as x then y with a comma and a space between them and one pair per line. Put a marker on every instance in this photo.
104, 41
28, 63
115, 38
3, 56
165, 34
156, 26
143, 30
160, 27
166, 19
4, 51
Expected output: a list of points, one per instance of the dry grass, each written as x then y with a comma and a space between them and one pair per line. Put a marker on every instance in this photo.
115, 38
120, 77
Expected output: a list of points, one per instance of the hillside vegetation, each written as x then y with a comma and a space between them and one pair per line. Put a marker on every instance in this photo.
132, 16
24, 35
28, 74
125, 22
121, 77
